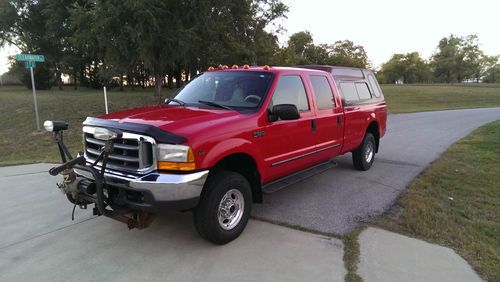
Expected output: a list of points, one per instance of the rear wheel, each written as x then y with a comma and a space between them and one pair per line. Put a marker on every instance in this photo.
364, 156
224, 207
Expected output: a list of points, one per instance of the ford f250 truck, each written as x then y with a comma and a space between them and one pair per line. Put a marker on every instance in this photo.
221, 142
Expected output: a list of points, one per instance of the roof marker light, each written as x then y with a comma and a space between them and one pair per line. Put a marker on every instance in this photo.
245, 67
224, 67
266, 67
211, 68
234, 67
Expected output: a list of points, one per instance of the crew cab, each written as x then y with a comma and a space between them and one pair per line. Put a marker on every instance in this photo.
221, 142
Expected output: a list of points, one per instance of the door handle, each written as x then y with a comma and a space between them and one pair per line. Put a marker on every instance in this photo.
313, 125
339, 120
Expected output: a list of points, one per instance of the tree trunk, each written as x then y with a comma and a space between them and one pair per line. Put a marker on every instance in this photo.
158, 81
170, 79
59, 79
75, 79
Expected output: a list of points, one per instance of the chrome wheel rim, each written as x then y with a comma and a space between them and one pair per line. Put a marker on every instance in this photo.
369, 152
231, 209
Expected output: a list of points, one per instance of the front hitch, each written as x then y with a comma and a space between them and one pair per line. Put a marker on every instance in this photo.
77, 188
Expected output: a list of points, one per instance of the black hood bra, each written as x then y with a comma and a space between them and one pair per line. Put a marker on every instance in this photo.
159, 135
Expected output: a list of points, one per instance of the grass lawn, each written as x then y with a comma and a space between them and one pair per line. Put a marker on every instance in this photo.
21, 143
455, 202
19, 140
419, 98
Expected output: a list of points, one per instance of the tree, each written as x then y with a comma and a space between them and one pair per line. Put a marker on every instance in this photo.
457, 59
409, 68
301, 50
346, 53
100, 42
492, 69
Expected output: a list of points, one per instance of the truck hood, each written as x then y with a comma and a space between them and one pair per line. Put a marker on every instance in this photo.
175, 119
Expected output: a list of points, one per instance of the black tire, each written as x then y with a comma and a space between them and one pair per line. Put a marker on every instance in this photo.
360, 157
206, 216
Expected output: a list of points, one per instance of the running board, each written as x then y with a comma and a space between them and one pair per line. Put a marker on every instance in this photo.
291, 179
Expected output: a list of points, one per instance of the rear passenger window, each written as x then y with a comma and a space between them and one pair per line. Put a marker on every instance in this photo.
322, 92
363, 91
290, 90
374, 85
349, 91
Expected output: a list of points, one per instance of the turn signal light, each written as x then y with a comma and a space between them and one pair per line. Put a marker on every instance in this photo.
176, 166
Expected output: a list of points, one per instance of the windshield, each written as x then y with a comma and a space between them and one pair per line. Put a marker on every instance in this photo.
238, 90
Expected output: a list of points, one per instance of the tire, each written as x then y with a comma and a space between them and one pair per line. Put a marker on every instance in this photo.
224, 207
364, 156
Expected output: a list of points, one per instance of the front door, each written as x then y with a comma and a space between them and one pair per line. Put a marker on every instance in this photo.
289, 145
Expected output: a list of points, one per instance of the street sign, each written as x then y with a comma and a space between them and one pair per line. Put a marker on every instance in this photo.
30, 57
30, 64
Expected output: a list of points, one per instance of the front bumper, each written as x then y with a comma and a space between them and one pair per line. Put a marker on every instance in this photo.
154, 192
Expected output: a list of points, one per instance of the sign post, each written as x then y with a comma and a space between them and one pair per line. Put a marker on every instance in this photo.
29, 63
34, 99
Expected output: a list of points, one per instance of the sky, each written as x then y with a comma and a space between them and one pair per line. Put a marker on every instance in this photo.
385, 27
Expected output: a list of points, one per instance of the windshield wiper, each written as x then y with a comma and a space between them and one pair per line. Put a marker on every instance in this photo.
175, 101
213, 104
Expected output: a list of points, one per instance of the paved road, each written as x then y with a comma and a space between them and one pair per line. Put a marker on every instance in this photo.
337, 200
39, 242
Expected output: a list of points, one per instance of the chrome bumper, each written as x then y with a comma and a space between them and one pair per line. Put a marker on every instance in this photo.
163, 187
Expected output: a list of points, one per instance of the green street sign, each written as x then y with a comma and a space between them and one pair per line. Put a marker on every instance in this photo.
29, 64
30, 57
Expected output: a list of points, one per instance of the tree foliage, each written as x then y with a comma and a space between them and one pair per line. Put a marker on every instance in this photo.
109, 42
301, 50
406, 68
458, 59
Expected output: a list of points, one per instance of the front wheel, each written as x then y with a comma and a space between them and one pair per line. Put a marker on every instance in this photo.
364, 156
224, 207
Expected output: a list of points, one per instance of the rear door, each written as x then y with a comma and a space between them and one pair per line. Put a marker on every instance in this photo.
358, 110
329, 122
288, 145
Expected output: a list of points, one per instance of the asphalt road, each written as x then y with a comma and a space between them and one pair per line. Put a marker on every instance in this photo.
338, 199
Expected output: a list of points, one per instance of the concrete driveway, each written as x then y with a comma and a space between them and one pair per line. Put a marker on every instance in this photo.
38, 240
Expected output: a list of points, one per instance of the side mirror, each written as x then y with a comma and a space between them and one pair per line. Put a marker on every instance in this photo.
284, 112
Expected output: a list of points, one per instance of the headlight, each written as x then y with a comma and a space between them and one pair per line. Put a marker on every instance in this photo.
51, 126
175, 157
101, 133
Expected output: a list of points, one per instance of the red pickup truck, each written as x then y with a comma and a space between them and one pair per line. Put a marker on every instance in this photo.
221, 142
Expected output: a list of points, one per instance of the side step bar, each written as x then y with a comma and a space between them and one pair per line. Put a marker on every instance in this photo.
291, 179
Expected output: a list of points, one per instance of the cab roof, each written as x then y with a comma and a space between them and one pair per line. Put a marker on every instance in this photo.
272, 69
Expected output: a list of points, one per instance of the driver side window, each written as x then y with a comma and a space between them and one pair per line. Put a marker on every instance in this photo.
290, 90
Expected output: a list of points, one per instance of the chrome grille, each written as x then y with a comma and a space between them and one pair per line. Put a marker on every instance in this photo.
132, 153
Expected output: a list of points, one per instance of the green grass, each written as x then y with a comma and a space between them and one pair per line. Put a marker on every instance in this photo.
418, 98
19, 140
21, 143
455, 202
351, 255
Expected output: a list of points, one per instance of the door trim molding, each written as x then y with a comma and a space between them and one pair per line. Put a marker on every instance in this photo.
305, 155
